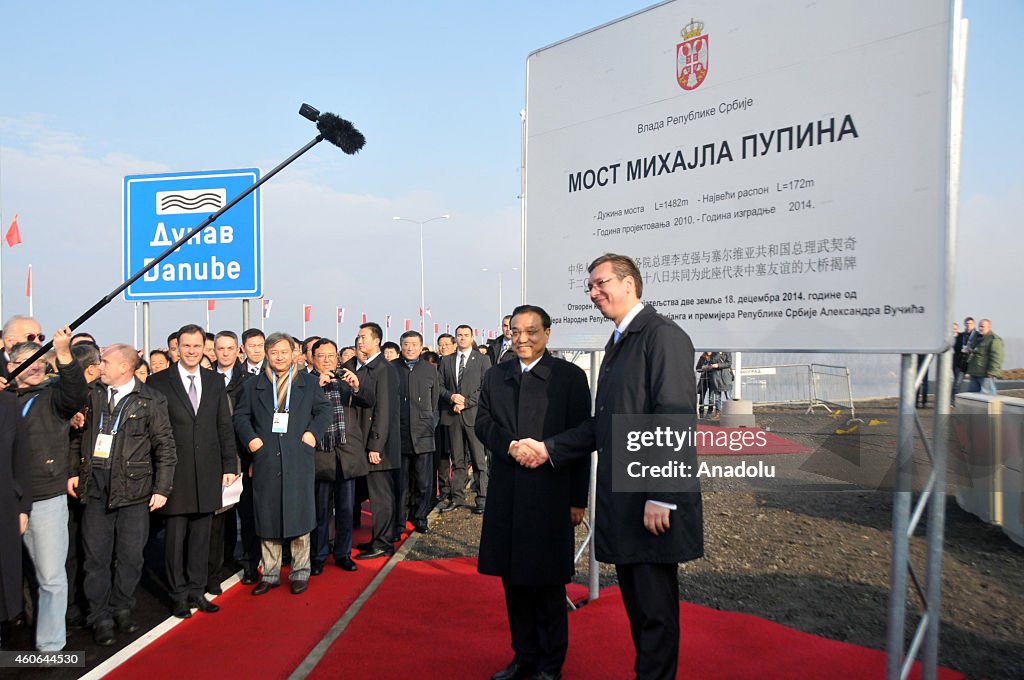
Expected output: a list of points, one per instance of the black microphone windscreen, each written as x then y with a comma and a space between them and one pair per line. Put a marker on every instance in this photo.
340, 133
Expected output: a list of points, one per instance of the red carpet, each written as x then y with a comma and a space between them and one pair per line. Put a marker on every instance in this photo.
757, 442
454, 627
254, 637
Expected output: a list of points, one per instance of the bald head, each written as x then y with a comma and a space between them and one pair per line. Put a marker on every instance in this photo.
18, 328
118, 364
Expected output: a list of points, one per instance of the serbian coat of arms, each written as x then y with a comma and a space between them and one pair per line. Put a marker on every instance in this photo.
692, 56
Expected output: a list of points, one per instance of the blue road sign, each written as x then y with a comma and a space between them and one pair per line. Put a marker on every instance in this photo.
224, 260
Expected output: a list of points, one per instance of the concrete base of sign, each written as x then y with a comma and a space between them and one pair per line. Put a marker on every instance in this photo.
737, 413
1012, 439
978, 469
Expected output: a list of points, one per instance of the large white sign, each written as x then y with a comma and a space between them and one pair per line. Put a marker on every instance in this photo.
780, 172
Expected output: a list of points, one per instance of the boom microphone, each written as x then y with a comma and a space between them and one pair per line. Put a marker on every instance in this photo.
334, 129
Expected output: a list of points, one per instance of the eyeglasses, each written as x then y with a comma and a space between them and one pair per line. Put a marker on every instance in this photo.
32, 337
599, 284
333, 355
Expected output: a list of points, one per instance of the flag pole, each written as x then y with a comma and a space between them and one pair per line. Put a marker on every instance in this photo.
303, 322
29, 290
207, 316
337, 326
135, 326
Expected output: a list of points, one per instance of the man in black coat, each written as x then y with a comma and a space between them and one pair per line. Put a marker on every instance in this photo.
647, 369
462, 374
341, 457
197, 403
419, 391
15, 502
122, 468
500, 348
381, 424
527, 536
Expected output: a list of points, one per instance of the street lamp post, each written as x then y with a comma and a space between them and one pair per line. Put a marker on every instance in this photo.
501, 306
423, 291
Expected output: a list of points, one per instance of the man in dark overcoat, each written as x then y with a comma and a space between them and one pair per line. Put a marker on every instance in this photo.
647, 369
419, 391
527, 536
380, 423
15, 502
204, 439
280, 416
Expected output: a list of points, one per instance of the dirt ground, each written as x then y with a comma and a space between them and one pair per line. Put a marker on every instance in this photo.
818, 561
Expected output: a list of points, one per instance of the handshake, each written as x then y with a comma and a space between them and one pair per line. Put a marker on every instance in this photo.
529, 453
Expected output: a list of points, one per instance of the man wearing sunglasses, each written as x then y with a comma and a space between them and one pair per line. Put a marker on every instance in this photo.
18, 329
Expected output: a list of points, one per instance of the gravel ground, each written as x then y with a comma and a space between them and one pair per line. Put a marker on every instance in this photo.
818, 561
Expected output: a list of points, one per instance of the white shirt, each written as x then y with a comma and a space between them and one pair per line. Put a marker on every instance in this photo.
529, 367
122, 391
368, 360
251, 366
227, 374
185, 375
621, 328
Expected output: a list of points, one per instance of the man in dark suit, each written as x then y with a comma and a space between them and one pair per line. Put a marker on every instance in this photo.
500, 348
380, 422
224, 534
419, 391
197, 403
462, 373
527, 536
647, 369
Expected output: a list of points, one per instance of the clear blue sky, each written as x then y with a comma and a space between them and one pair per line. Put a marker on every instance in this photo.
91, 93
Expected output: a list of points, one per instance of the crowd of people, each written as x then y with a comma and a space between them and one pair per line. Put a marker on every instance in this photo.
265, 446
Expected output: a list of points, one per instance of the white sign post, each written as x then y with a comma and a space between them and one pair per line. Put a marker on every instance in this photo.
780, 172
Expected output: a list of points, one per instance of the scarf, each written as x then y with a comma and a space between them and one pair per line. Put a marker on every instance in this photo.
335, 433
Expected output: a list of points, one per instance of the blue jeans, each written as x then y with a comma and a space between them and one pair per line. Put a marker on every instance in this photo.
47, 542
339, 495
985, 385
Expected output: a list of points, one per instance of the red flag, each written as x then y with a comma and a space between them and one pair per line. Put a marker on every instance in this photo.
490, 334
307, 311
13, 233
408, 324
436, 327
211, 305
364, 317
421, 312
267, 304
341, 314
448, 328
28, 283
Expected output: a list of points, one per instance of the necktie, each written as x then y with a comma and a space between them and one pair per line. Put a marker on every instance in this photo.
254, 370
193, 395
615, 336
525, 370
112, 402
462, 367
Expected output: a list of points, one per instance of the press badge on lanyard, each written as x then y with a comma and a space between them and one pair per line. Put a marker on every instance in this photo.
104, 441
280, 425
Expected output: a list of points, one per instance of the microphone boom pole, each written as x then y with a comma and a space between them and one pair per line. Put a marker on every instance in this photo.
336, 130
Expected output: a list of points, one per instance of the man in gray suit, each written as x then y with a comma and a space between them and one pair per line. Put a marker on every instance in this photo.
462, 375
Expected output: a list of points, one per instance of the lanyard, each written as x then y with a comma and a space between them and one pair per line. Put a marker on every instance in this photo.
288, 394
117, 421
28, 405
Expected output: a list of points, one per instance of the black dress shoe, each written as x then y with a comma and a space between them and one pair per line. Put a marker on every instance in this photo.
513, 671
397, 538
103, 634
181, 610
421, 527
364, 546
316, 569
264, 587
249, 577
125, 623
347, 564
449, 506
214, 589
478, 510
373, 554
299, 587
204, 605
